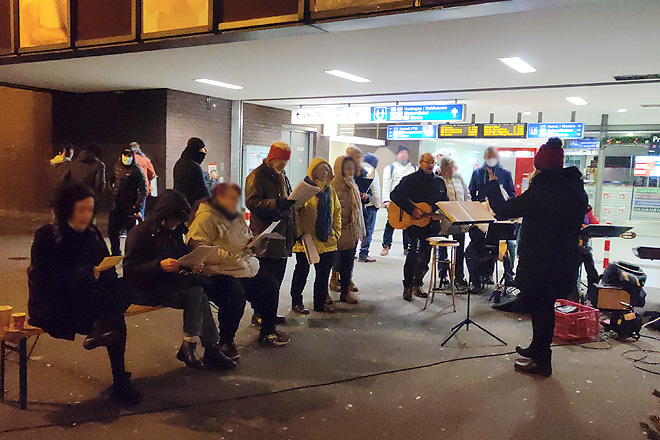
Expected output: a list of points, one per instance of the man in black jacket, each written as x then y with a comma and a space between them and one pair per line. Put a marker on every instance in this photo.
151, 266
87, 169
267, 189
422, 186
552, 209
188, 175
129, 192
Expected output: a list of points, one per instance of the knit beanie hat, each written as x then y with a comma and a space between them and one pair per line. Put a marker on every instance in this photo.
401, 148
279, 151
371, 159
550, 156
353, 151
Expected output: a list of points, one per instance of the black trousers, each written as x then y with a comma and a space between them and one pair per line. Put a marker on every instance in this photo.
300, 274
116, 222
592, 276
542, 308
344, 263
230, 294
274, 266
419, 254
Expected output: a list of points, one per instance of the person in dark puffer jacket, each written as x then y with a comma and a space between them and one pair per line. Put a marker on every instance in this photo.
188, 175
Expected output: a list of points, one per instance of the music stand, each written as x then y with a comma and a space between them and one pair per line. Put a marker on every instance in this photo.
468, 320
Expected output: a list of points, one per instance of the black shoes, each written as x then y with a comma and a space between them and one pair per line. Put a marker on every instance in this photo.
122, 391
188, 355
300, 309
228, 348
419, 293
408, 293
524, 352
215, 359
325, 309
106, 339
275, 339
528, 366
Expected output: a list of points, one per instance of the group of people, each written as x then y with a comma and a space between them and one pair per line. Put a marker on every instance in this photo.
70, 293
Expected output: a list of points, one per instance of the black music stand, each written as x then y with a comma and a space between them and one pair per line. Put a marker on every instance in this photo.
497, 230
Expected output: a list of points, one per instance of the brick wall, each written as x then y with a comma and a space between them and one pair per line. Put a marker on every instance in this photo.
25, 142
190, 115
263, 125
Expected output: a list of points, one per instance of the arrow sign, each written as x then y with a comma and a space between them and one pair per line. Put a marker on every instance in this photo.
454, 112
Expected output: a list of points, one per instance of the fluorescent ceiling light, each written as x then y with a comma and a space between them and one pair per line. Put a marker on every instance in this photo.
358, 140
218, 83
518, 64
348, 76
576, 100
622, 110
527, 113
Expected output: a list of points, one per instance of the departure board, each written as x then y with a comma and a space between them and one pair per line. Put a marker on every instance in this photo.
505, 130
458, 131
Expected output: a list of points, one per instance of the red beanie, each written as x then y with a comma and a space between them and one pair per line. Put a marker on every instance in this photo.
279, 150
550, 156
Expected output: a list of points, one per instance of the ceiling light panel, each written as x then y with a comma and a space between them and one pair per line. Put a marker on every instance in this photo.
348, 76
518, 64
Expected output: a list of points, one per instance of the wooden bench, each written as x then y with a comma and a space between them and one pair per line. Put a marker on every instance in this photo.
17, 343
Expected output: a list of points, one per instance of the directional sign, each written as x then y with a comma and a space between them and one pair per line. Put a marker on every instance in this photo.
402, 132
418, 113
565, 130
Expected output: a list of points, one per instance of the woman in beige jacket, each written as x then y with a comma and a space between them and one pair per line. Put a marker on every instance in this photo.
352, 225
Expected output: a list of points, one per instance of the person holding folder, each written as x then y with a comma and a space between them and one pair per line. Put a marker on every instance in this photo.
422, 186
319, 228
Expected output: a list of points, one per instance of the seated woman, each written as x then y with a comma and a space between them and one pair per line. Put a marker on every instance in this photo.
152, 250
352, 224
234, 270
69, 294
319, 218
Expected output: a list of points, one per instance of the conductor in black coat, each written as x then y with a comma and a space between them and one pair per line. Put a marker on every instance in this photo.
552, 209
422, 186
188, 175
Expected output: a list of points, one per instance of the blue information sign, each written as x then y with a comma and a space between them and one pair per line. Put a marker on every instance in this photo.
418, 113
402, 132
566, 130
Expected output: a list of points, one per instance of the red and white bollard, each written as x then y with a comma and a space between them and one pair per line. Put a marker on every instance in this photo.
606, 258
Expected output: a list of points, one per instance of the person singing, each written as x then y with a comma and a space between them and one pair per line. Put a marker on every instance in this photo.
552, 209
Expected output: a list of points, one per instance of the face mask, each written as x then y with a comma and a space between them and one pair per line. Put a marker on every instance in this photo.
126, 160
200, 157
492, 162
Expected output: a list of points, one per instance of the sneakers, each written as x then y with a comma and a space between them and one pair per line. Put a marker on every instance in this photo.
256, 320
214, 359
419, 293
334, 282
385, 252
366, 260
122, 391
275, 339
228, 348
353, 287
408, 293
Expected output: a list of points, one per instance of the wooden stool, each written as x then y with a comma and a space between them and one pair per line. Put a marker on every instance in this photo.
437, 243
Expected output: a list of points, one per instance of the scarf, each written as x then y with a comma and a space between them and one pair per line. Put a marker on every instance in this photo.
323, 212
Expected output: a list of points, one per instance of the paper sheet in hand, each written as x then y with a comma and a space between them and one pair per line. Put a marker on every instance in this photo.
267, 234
302, 193
198, 256
109, 262
312, 254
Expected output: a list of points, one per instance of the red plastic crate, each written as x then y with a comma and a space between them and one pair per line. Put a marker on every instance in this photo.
582, 324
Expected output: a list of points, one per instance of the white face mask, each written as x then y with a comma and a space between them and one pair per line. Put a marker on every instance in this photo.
126, 160
492, 162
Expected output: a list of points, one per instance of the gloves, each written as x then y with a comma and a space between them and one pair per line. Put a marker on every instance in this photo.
284, 204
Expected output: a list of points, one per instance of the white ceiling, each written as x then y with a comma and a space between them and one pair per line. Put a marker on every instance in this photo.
567, 41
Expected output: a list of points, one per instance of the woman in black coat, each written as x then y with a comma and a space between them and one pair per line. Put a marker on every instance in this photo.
69, 294
552, 210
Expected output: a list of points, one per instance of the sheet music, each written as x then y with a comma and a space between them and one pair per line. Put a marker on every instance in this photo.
302, 193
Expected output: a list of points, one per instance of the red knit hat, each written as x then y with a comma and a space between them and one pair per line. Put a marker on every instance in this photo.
279, 150
550, 156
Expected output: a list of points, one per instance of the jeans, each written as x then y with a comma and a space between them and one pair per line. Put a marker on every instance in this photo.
197, 317
299, 280
116, 222
389, 232
370, 213
230, 293
344, 263
419, 254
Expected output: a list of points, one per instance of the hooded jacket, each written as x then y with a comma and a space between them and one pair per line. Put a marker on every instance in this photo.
306, 215
552, 209
188, 174
212, 228
129, 189
87, 169
263, 187
56, 174
352, 218
150, 242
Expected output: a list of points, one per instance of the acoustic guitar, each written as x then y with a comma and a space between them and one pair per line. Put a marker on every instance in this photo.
400, 219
